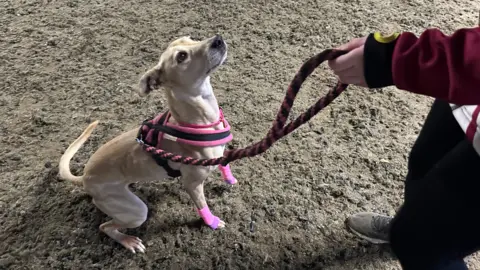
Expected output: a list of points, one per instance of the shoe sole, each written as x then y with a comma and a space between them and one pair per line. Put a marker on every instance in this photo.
369, 239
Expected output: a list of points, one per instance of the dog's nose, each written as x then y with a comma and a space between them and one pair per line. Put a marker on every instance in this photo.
217, 42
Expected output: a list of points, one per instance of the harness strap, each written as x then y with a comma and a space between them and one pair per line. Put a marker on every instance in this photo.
189, 136
164, 163
144, 134
153, 131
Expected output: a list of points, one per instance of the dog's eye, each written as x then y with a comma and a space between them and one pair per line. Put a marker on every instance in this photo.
181, 56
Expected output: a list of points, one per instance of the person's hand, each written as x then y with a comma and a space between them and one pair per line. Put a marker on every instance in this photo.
349, 67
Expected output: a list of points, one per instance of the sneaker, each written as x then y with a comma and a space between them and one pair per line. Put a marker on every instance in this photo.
370, 226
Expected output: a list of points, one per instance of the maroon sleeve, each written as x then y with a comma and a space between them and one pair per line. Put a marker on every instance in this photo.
439, 66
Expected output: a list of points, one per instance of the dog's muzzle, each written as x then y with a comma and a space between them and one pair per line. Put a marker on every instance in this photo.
218, 43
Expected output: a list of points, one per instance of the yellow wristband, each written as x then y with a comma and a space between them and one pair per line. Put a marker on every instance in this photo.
385, 39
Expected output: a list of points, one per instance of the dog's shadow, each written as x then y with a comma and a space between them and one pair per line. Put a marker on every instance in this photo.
152, 197
63, 213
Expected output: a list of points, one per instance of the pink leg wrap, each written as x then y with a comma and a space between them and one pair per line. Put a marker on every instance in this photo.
208, 217
227, 174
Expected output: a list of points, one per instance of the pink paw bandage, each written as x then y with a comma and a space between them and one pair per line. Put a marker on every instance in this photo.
208, 217
227, 174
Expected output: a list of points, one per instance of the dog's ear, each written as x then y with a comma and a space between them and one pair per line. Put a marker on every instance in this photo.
151, 80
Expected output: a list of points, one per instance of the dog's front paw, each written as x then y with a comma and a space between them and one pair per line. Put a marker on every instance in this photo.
212, 221
217, 223
227, 174
221, 224
231, 181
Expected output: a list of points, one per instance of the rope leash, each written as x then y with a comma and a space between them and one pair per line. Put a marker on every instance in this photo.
278, 130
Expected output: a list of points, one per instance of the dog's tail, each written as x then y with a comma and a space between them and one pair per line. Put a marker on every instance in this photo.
64, 165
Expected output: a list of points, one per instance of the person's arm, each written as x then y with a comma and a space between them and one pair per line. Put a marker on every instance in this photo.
433, 64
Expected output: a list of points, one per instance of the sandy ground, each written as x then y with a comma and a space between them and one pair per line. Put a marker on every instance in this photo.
66, 63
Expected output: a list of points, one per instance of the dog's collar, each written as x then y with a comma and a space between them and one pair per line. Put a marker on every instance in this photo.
154, 130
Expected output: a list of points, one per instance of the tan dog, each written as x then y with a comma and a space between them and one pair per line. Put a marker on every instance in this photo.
184, 72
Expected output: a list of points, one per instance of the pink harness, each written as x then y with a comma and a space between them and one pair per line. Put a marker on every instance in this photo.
154, 131
197, 135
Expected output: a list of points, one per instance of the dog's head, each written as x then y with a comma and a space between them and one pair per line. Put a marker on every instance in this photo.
185, 64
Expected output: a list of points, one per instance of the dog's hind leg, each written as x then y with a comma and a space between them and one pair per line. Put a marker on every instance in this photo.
127, 211
227, 174
194, 188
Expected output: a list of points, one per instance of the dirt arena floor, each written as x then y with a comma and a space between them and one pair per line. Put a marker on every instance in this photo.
64, 64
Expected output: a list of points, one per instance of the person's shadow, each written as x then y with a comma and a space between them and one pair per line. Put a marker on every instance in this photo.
361, 256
